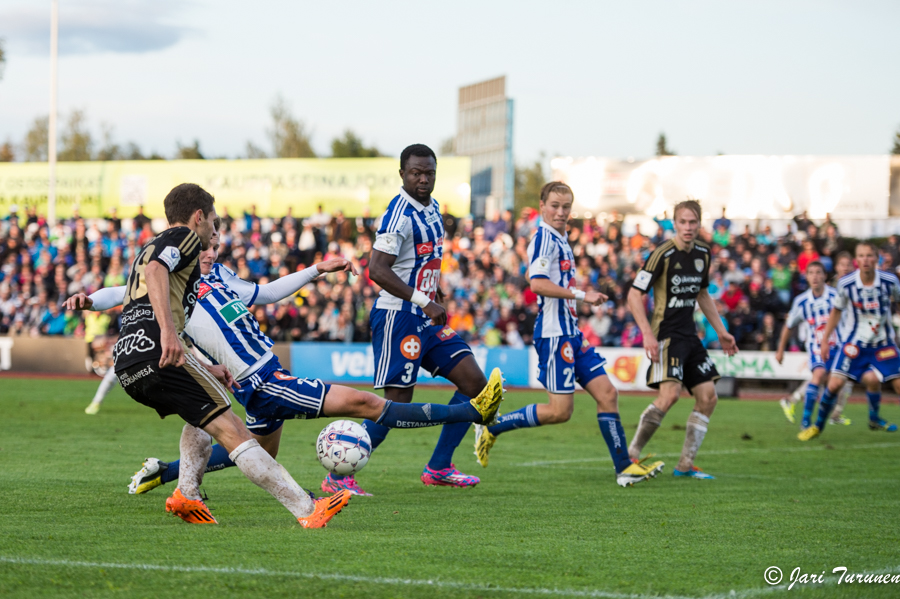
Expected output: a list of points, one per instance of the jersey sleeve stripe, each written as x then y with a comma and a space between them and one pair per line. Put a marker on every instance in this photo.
189, 243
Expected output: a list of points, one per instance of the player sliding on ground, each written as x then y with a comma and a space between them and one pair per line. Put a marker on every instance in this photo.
678, 273
157, 369
868, 344
225, 332
409, 325
563, 355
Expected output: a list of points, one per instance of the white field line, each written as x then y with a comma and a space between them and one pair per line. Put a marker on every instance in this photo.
409, 582
716, 452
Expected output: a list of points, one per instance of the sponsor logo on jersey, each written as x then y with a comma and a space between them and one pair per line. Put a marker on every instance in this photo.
233, 310
283, 377
567, 353
681, 303
432, 218
698, 264
886, 354
585, 346
871, 305
851, 350
204, 289
137, 315
425, 248
565, 265
127, 379
642, 280
410, 347
135, 342
446, 333
170, 256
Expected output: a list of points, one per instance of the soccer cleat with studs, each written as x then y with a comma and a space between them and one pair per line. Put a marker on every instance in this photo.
488, 401
809, 433
882, 425
484, 441
333, 484
148, 477
192, 511
326, 509
694, 472
787, 406
639, 471
448, 477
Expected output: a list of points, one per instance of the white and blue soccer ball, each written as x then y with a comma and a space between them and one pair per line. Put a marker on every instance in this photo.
343, 447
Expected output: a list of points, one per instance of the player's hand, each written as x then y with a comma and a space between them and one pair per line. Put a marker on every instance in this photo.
651, 347
595, 298
336, 265
223, 375
825, 351
172, 350
436, 313
79, 301
439, 296
779, 356
729, 346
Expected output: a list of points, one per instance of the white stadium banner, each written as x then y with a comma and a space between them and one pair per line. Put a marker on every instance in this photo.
627, 367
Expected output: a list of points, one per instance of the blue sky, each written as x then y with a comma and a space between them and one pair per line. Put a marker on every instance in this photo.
588, 78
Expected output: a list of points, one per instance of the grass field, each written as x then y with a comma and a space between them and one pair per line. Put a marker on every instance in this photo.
547, 520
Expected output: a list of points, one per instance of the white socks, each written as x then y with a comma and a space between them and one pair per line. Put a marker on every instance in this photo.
109, 381
650, 421
195, 448
696, 429
266, 473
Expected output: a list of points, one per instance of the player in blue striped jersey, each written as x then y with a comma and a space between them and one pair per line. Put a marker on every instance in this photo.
812, 308
226, 333
409, 326
868, 343
564, 356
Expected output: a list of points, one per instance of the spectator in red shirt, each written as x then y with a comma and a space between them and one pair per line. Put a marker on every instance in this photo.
809, 254
732, 295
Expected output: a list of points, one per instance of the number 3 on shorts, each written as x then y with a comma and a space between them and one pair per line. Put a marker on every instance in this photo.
409, 371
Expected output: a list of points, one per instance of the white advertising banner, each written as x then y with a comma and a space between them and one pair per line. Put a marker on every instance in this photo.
748, 187
627, 367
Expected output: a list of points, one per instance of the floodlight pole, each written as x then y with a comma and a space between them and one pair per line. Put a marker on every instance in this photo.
51, 124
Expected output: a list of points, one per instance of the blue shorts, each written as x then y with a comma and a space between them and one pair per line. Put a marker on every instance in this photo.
852, 361
565, 360
815, 360
271, 395
402, 342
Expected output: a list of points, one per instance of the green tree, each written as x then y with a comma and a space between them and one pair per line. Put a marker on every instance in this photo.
110, 150
289, 136
7, 152
34, 146
351, 146
662, 147
529, 181
133, 152
896, 149
77, 144
254, 152
191, 152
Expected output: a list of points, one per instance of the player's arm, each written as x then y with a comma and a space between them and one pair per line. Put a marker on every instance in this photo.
782, 342
100, 300
546, 288
635, 301
833, 320
708, 306
381, 271
287, 286
156, 276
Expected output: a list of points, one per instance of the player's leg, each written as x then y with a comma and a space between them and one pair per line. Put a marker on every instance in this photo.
652, 417
873, 395
109, 381
836, 381
453, 357
705, 400
789, 403
837, 415
813, 388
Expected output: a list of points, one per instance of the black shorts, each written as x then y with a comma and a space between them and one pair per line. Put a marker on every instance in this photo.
683, 360
189, 390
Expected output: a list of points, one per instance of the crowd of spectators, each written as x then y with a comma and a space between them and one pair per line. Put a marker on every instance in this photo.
754, 274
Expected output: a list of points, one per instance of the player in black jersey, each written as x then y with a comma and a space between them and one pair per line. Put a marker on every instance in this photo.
678, 273
156, 368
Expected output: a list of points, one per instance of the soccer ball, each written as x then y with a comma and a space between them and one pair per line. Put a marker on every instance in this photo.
343, 447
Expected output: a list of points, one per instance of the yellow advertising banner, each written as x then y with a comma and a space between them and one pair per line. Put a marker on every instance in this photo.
352, 185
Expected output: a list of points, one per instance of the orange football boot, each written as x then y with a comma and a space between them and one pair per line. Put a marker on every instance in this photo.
193, 511
326, 509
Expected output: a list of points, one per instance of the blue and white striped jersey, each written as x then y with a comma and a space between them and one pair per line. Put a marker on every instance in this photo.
415, 234
814, 311
867, 319
550, 257
222, 327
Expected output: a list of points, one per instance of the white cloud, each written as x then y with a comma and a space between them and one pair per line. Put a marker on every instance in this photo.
94, 26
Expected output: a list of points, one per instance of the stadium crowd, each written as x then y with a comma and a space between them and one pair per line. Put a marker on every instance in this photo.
754, 274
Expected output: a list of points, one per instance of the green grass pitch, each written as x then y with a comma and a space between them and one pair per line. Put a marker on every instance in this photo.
547, 520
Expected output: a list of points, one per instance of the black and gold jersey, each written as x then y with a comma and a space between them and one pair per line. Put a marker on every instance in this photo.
676, 278
178, 249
